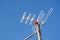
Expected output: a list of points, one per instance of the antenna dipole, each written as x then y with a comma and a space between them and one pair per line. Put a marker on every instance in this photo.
47, 16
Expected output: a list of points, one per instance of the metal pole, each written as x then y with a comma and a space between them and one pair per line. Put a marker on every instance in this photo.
39, 32
30, 36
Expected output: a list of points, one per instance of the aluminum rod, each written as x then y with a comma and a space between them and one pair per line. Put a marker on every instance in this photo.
30, 36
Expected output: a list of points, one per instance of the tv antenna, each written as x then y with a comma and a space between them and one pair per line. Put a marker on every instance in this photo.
41, 20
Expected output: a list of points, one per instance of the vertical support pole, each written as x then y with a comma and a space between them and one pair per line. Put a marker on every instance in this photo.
39, 32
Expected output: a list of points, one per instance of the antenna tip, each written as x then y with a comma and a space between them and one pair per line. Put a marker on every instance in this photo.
51, 8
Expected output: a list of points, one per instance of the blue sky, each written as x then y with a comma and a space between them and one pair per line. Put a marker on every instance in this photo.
11, 12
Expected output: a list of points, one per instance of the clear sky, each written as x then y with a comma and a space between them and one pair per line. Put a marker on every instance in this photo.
11, 12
